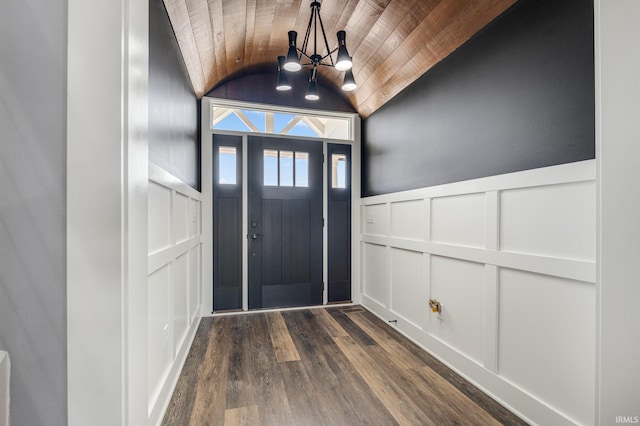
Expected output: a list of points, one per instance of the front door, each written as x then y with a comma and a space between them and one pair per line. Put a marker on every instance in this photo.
285, 215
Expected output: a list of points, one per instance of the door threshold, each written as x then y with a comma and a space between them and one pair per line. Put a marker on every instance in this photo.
227, 311
267, 310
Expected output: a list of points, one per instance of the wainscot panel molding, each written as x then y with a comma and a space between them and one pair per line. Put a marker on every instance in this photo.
175, 258
511, 259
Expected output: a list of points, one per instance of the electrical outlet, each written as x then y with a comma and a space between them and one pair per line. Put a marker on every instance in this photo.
436, 307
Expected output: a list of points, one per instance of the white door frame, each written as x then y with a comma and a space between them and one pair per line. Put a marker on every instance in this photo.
207, 196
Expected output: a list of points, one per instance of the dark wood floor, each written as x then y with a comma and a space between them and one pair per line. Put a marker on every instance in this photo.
326, 366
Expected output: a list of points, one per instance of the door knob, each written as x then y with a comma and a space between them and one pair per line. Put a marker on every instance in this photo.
255, 236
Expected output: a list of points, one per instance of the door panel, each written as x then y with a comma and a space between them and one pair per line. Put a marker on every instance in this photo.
339, 223
285, 223
227, 222
271, 242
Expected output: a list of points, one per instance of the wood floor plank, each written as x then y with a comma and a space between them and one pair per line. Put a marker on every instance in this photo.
264, 378
404, 410
181, 404
280, 338
340, 394
503, 415
329, 324
302, 382
440, 401
242, 416
350, 327
240, 392
398, 352
210, 395
302, 396
358, 402
457, 404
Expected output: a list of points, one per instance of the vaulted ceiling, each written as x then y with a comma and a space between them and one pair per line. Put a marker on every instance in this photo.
392, 42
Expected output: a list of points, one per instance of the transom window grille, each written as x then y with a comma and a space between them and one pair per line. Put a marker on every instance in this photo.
302, 125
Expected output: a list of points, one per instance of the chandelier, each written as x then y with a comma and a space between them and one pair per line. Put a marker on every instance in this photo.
291, 62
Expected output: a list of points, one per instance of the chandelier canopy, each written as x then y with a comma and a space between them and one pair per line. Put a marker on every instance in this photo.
292, 61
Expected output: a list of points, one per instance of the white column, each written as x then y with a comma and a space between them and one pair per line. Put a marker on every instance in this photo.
617, 36
5, 374
206, 155
107, 175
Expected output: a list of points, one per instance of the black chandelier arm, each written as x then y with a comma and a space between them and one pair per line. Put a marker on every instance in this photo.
311, 64
305, 54
305, 43
326, 43
328, 55
313, 21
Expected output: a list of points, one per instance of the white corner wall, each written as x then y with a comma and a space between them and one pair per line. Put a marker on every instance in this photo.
175, 253
512, 260
617, 151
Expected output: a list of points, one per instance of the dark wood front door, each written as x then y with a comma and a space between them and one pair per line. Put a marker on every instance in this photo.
285, 222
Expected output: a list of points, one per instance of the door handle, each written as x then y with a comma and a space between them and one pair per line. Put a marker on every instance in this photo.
255, 236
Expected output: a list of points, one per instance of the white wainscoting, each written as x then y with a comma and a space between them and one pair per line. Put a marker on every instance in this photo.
511, 258
174, 283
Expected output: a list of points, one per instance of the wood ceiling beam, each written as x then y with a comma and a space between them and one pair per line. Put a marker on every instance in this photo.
179, 17
284, 20
218, 23
250, 31
235, 33
265, 11
201, 27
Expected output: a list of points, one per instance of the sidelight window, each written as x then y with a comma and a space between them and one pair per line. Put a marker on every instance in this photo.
338, 171
227, 173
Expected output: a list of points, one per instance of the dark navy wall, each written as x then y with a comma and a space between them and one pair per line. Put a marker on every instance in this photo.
519, 95
174, 139
259, 85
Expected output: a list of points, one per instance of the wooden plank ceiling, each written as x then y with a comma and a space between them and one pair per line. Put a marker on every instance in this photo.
392, 42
